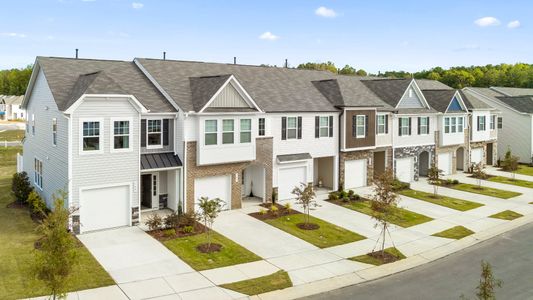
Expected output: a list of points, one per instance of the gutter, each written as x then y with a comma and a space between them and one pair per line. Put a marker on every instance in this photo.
339, 141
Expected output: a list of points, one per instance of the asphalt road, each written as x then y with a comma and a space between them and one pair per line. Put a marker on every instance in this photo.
510, 254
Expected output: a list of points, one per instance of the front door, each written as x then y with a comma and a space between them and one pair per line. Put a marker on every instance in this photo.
489, 154
146, 191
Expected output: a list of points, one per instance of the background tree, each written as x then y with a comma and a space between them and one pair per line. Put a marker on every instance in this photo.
305, 196
56, 257
434, 174
14, 81
384, 202
209, 210
488, 283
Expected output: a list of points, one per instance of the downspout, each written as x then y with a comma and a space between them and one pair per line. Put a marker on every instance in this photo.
339, 140
392, 131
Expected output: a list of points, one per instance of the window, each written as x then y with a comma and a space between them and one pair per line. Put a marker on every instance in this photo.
155, 133
261, 127
324, 127
228, 131
411, 92
360, 126
54, 131
500, 122
381, 124
404, 126
481, 123
292, 127
454, 125
492, 122
38, 173
33, 124
446, 125
424, 125
91, 136
121, 134
210, 132
246, 130
460, 124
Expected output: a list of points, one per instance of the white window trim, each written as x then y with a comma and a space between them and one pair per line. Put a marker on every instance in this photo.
54, 132
218, 132
462, 131
320, 127
232, 131
295, 129
402, 126
384, 124
250, 131
259, 126
493, 120
357, 135
148, 146
453, 125
38, 174
112, 135
425, 126
101, 136
33, 124
484, 127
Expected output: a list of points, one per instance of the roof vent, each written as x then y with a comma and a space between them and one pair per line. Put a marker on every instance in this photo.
164, 55
76, 53
235, 60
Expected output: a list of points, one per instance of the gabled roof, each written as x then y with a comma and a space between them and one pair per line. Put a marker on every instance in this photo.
522, 104
428, 84
12, 100
349, 91
68, 77
389, 90
204, 88
511, 91
473, 101
439, 99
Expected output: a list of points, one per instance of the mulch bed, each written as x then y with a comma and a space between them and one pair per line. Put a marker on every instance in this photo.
160, 236
16, 204
308, 226
342, 203
384, 257
209, 248
282, 211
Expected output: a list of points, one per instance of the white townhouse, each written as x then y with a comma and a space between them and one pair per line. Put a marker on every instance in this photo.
10, 107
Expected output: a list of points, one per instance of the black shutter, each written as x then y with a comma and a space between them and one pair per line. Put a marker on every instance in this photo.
354, 126
330, 126
165, 132
366, 125
284, 128
409, 126
478, 118
299, 128
386, 123
317, 126
427, 122
143, 133
400, 126
419, 118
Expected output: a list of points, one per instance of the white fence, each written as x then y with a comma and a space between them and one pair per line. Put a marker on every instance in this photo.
20, 161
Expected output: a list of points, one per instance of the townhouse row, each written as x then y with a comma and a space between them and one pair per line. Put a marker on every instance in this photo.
126, 138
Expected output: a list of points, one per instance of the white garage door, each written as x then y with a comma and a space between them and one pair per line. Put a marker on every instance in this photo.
404, 169
354, 173
477, 155
288, 179
214, 187
445, 163
104, 208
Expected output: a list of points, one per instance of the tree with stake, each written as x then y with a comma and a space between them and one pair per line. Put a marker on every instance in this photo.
209, 210
56, 257
478, 172
510, 162
384, 202
487, 283
434, 174
305, 196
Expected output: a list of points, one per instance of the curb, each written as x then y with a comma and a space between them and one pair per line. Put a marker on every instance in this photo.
374, 273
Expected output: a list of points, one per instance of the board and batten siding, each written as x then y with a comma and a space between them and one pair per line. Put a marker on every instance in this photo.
54, 158
105, 169
229, 97
411, 101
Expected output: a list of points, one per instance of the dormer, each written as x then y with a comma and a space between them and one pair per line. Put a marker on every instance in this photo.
412, 97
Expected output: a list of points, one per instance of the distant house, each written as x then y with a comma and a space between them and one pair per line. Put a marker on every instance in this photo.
10, 107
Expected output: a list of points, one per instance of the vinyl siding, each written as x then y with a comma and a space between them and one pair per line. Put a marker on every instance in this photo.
229, 97
479, 136
54, 158
446, 139
411, 102
414, 139
171, 128
385, 139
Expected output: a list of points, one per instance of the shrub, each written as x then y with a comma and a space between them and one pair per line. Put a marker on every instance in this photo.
172, 220
355, 197
455, 181
333, 196
37, 205
287, 206
188, 229
20, 186
169, 232
398, 185
188, 219
262, 211
154, 222
274, 196
274, 210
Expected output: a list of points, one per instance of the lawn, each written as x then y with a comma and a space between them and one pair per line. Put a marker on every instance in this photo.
453, 203
508, 215
524, 170
507, 180
401, 217
11, 135
457, 232
277, 281
230, 254
487, 191
328, 235
367, 259
16, 247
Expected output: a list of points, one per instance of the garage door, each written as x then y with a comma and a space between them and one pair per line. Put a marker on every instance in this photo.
477, 155
104, 208
214, 187
445, 163
288, 179
354, 173
404, 169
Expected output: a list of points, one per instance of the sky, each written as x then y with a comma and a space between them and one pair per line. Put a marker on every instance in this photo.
371, 35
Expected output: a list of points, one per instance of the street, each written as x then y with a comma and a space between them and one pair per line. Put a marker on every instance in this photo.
510, 254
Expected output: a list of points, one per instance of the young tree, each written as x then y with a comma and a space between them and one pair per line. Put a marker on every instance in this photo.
510, 162
305, 196
434, 174
20, 187
209, 210
384, 202
487, 284
478, 172
56, 257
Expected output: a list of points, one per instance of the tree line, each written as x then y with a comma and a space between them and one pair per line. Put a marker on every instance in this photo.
14, 81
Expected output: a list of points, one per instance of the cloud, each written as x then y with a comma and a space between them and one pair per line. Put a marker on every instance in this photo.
513, 24
325, 12
268, 36
487, 21
137, 5
13, 34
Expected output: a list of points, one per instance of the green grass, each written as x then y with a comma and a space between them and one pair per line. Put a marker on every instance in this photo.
401, 217
487, 191
328, 235
230, 254
277, 281
508, 215
453, 203
524, 170
367, 259
507, 180
457, 232
17, 236
11, 135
